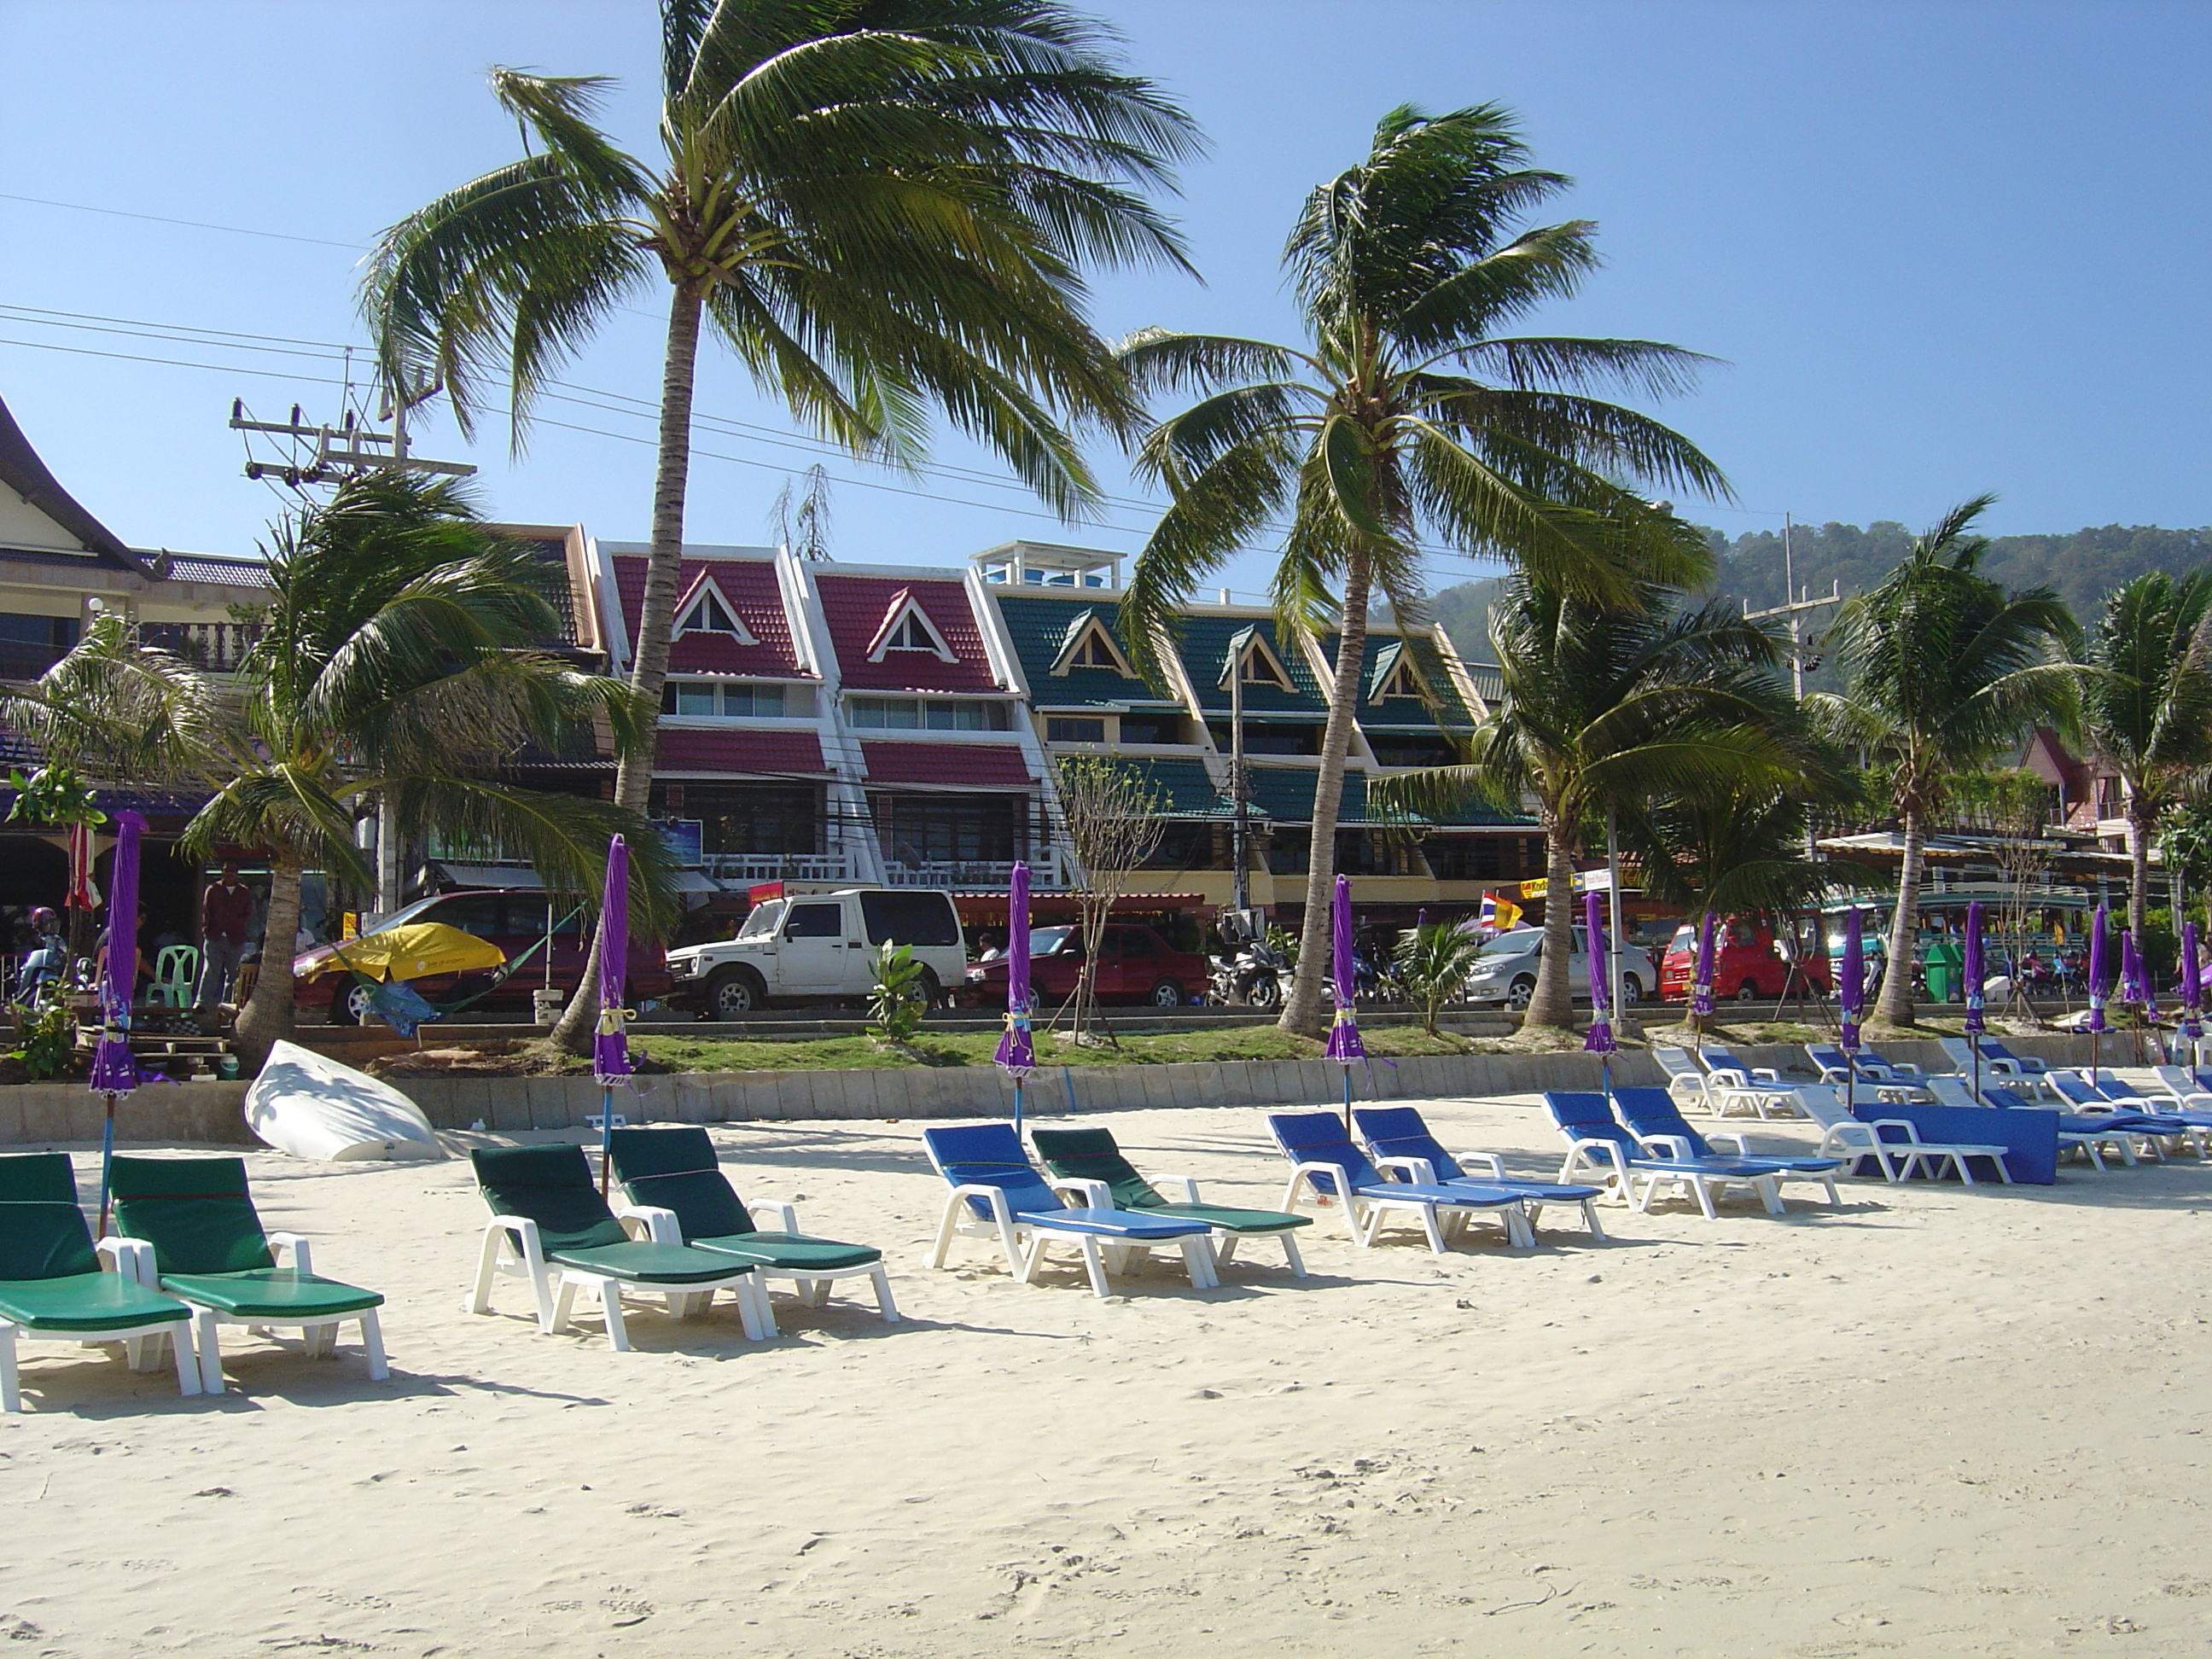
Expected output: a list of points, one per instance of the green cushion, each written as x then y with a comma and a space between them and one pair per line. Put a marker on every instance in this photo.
195, 1212
676, 1169
648, 1264
1092, 1155
275, 1294
795, 1250
45, 1241
553, 1186
86, 1302
1235, 1221
37, 1178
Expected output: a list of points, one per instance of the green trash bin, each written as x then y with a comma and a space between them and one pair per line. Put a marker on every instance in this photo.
1946, 977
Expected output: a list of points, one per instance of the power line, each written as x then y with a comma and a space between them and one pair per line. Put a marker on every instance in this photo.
172, 363
194, 224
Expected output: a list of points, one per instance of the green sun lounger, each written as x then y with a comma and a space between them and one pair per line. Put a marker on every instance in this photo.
546, 1209
52, 1287
1091, 1155
206, 1247
676, 1186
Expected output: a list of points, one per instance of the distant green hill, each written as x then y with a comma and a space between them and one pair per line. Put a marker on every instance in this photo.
2083, 566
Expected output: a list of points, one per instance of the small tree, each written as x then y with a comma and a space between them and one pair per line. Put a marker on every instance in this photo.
1434, 962
2012, 807
900, 996
1112, 824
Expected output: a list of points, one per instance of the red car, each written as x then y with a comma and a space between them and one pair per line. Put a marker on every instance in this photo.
1748, 963
1135, 964
512, 921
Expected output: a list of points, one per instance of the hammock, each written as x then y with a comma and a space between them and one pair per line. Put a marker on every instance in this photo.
405, 1009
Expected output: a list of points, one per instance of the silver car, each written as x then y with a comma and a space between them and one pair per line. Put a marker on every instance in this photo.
1506, 971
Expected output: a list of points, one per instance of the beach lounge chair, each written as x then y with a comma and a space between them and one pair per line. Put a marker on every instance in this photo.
1651, 1117
1685, 1079
997, 1194
1894, 1143
2193, 1088
1730, 1084
2165, 1129
2085, 1134
206, 1247
1327, 1164
1089, 1159
1995, 1055
1884, 1080
549, 1226
1399, 1140
52, 1287
676, 1186
1599, 1142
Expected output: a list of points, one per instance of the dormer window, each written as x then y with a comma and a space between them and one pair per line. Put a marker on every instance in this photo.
1261, 670
706, 610
1090, 644
1256, 661
1399, 683
906, 626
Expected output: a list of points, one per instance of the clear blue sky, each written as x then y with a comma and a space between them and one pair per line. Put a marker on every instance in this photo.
1946, 247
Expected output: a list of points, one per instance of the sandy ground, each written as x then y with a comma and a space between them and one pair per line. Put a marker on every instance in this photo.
1936, 1421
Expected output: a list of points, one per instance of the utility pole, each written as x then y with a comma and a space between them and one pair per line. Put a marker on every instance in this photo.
1795, 605
1239, 831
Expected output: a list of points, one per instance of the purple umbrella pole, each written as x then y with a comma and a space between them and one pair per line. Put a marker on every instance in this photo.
1344, 1047
2096, 990
1850, 1001
1017, 1054
2192, 993
113, 1073
1971, 967
611, 1060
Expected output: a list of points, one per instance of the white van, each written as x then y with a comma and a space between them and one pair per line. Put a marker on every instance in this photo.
819, 947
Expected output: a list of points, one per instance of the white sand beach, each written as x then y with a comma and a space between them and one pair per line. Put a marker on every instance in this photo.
1937, 1421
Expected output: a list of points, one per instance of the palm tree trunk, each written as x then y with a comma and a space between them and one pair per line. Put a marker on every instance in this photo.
2139, 825
1304, 1011
1894, 1006
1554, 1004
656, 621
267, 1017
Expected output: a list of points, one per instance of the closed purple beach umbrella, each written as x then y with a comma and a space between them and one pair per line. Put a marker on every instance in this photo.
611, 1060
1017, 1052
2097, 979
2192, 989
2137, 985
1344, 1047
1850, 1001
113, 1073
1701, 983
1600, 1040
1972, 970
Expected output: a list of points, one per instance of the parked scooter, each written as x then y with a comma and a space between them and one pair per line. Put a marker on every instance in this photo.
1251, 973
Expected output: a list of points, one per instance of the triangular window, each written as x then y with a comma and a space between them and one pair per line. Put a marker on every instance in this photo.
1262, 668
907, 627
1090, 644
705, 611
1400, 682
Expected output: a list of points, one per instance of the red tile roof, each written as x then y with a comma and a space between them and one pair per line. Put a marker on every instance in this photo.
998, 766
855, 607
750, 585
688, 748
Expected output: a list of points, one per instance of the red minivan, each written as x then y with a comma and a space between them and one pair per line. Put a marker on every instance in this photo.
514, 921
1749, 961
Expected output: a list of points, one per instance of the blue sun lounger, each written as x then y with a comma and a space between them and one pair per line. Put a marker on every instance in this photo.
2096, 1099
1327, 1164
2085, 1132
1598, 1142
1652, 1117
1399, 1140
997, 1194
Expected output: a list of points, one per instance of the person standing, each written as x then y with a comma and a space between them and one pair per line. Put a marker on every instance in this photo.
226, 921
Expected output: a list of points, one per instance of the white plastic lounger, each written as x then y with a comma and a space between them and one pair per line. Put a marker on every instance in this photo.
1729, 1084
1899, 1153
1327, 1164
1597, 1143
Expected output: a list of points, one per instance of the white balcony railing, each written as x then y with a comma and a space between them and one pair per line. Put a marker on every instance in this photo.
772, 866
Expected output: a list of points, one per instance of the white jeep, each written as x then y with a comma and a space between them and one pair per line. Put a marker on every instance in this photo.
817, 947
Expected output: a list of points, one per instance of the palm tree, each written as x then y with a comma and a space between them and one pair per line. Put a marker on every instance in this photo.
879, 206
1410, 413
2148, 708
397, 658
1607, 705
1946, 670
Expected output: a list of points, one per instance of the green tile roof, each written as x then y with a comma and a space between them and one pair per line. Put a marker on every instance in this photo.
1205, 653
1039, 626
1285, 793
1183, 787
1381, 657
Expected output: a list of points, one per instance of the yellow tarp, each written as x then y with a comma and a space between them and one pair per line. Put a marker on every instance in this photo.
416, 950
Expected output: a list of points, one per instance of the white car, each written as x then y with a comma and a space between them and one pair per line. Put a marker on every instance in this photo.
1506, 971
816, 947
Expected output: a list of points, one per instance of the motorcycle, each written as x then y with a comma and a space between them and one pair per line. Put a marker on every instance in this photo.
1253, 975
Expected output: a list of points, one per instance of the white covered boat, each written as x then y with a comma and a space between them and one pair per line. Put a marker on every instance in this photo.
308, 1105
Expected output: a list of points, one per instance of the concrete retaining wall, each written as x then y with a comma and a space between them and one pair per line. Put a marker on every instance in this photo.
43, 1114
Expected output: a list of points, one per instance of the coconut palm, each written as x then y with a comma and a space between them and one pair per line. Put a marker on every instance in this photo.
1946, 670
2149, 708
398, 658
880, 207
1605, 705
1411, 412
